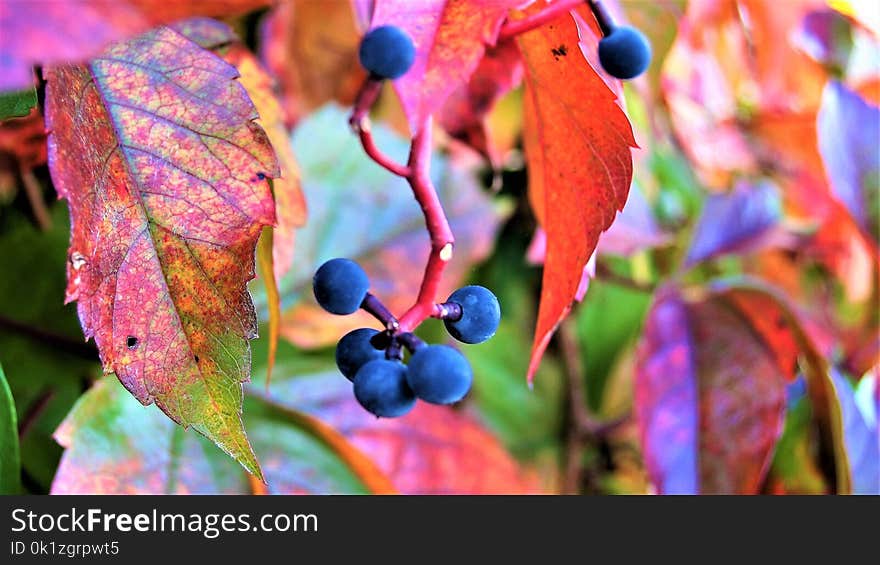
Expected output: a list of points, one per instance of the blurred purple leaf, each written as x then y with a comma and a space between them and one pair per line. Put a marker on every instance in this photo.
709, 397
666, 398
736, 221
849, 133
860, 434
634, 229
826, 36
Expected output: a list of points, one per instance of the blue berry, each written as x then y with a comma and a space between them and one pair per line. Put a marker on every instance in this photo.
480, 314
625, 52
340, 286
439, 374
354, 351
380, 387
387, 52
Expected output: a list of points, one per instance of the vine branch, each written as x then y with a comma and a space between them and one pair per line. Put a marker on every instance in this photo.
417, 173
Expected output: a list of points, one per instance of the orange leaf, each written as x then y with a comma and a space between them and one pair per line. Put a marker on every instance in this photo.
577, 141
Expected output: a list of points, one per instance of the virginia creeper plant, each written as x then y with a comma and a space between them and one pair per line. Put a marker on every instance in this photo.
679, 240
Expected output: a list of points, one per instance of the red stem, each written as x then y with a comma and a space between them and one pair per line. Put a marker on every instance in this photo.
442, 240
360, 123
551, 12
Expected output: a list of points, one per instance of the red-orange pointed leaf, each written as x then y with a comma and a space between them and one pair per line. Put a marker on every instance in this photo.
577, 141
154, 145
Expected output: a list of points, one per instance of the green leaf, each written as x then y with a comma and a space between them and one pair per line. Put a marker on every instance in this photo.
10, 463
116, 445
608, 320
17, 104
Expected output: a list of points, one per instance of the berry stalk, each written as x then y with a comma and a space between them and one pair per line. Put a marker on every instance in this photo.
360, 123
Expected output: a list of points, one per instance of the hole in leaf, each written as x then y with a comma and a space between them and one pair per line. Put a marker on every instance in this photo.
197, 358
131, 342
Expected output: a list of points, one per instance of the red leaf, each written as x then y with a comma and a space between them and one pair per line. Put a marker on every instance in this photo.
464, 113
572, 121
450, 38
155, 148
58, 31
710, 398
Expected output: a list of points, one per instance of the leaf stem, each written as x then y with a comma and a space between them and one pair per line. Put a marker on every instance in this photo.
551, 12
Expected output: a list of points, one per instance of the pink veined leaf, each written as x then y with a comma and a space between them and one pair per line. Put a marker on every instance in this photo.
45, 32
155, 147
450, 36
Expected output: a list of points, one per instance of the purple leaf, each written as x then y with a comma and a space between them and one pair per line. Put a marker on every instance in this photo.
666, 398
849, 130
860, 435
736, 221
709, 397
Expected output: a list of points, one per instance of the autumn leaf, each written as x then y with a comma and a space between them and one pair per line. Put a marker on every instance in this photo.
709, 398
783, 327
155, 147
577, 141
450, 37
47, 32
386, 241
113, 445
312, 47
464, 113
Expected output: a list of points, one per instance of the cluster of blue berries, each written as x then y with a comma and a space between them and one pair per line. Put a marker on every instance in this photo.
373, 360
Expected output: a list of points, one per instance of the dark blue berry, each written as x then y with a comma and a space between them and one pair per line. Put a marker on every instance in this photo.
340, 286
354, 351
387, 52
625, 52
480, 314
439, 374
380, 387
